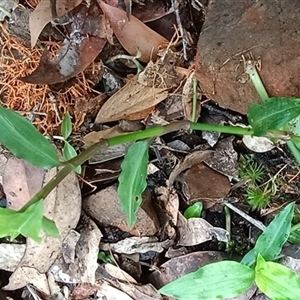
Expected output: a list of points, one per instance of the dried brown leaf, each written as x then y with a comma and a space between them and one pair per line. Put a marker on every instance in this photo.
20, 182
195, 231
133, 34
43, 14
39, 257
84, 43
190, 160
130, 101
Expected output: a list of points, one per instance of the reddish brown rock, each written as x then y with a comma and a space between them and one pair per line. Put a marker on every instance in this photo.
266, 29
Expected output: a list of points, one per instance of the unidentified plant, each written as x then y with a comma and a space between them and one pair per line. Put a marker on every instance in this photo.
226, 279
258, 193
193, 211
270, 119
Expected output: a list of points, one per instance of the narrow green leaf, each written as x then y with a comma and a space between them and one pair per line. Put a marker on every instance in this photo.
194, 211
24, 141
66, 126
28, 222
132, 180
270, 242
274, 113
276, 281
68, 153
218, 280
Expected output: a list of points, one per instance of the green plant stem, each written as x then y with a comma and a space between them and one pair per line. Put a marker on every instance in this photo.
69, 166
256, 80
86, 154
222, 128
149, 133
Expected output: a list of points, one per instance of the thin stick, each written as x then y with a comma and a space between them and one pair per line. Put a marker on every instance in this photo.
256, 223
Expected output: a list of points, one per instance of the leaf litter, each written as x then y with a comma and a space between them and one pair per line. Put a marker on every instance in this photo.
68, 73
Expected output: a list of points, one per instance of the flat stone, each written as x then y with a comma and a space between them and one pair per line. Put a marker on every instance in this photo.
264, 30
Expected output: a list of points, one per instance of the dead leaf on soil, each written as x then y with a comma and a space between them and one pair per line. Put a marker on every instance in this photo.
130, 101
63, 206
85, 264
258, 144
118, 273
106, 291
136, 244
80, 254
195, 231
137, 291
21, 181
96, 136
179, 266
190, 160
86, 39
133, 35
154, 10
225, 158
205, 184
168, 201
43, 14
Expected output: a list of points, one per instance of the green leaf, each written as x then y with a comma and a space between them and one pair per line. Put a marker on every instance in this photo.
194, 211
276, 281
66, 126
68, 153
26, 222
218, 280
294, 237
24, 141
270, 242
274, 113
132, 180
49, 227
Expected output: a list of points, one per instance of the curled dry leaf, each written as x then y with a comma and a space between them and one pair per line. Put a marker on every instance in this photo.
86, 40
130, 101
21, 181
195, 231
133, 34
136, 244
189, 161
43, 14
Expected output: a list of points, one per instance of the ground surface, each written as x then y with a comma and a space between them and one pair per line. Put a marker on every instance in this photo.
84, 73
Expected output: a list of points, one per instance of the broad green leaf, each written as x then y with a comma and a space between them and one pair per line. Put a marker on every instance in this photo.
66, 126
270, 242
49, 227
132, 180
274, 113
194, 211
276, 281
218, 280
68, 153
28, 222
24, 141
